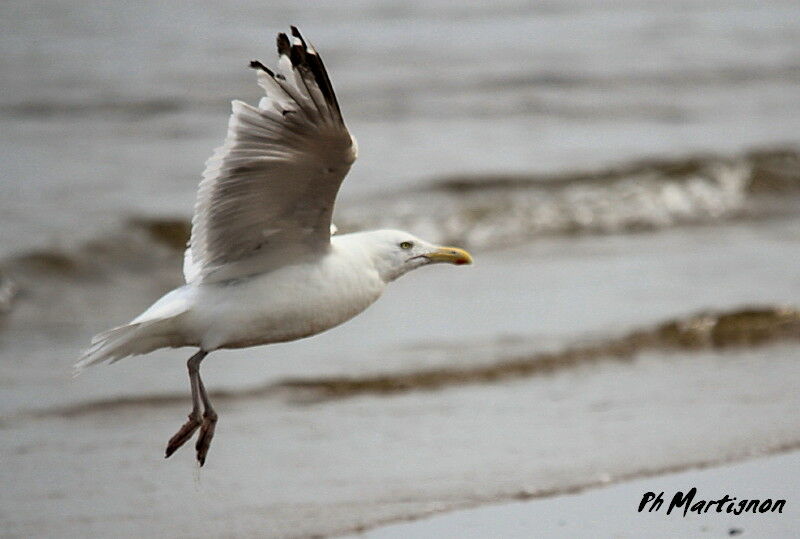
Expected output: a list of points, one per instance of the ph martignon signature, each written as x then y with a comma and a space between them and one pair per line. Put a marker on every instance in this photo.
725, 504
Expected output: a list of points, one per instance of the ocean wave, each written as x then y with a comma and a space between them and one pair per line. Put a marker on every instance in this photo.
490, 211
748, 327
139, 244
739, 328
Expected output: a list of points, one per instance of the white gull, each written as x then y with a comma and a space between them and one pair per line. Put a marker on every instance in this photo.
262, 265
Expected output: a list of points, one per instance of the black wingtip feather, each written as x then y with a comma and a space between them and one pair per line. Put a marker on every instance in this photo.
297, 55
255, 64
302, 57
284, 46
314, 62
296, 33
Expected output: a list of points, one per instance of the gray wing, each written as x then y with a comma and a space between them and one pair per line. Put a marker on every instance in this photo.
268, 192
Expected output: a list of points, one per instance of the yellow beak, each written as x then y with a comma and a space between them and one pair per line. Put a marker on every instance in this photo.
452, 255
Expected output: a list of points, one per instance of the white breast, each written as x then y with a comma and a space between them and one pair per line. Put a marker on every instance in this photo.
287, 304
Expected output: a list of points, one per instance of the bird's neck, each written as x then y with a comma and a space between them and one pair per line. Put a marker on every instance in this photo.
388, 272
358, 245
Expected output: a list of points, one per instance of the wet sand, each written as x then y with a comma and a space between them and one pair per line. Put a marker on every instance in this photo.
612, 511
283, 468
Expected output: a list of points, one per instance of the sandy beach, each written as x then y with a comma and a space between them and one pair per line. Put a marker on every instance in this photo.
613, 511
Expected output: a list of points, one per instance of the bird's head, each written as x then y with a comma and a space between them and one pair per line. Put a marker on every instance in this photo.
395, 253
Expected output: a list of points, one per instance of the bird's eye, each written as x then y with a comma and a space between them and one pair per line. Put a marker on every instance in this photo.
406, 245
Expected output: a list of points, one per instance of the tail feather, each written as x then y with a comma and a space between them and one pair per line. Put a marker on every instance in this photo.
153, 329
123, 341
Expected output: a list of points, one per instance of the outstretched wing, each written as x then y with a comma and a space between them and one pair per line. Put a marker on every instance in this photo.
267, 194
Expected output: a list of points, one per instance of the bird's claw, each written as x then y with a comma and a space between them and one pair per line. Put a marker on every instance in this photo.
184, 434
205, 436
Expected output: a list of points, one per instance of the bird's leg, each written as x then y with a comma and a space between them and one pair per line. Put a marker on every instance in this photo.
188, 429
207, 428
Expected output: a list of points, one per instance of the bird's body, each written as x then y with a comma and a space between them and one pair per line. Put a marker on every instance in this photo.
267, 308
262, 266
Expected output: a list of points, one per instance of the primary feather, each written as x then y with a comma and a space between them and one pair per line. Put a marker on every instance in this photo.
268, 192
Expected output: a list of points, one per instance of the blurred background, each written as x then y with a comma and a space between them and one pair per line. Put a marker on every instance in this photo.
626, 173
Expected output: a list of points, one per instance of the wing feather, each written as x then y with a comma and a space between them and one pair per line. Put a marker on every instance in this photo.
268, 192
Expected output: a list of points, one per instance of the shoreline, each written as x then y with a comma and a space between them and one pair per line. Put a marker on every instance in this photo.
605, 511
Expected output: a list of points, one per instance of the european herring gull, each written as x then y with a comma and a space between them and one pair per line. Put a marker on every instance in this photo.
262, 265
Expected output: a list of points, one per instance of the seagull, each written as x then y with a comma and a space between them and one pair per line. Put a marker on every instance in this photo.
263, 263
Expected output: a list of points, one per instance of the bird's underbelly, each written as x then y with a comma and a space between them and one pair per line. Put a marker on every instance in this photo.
273, 309
288, 326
